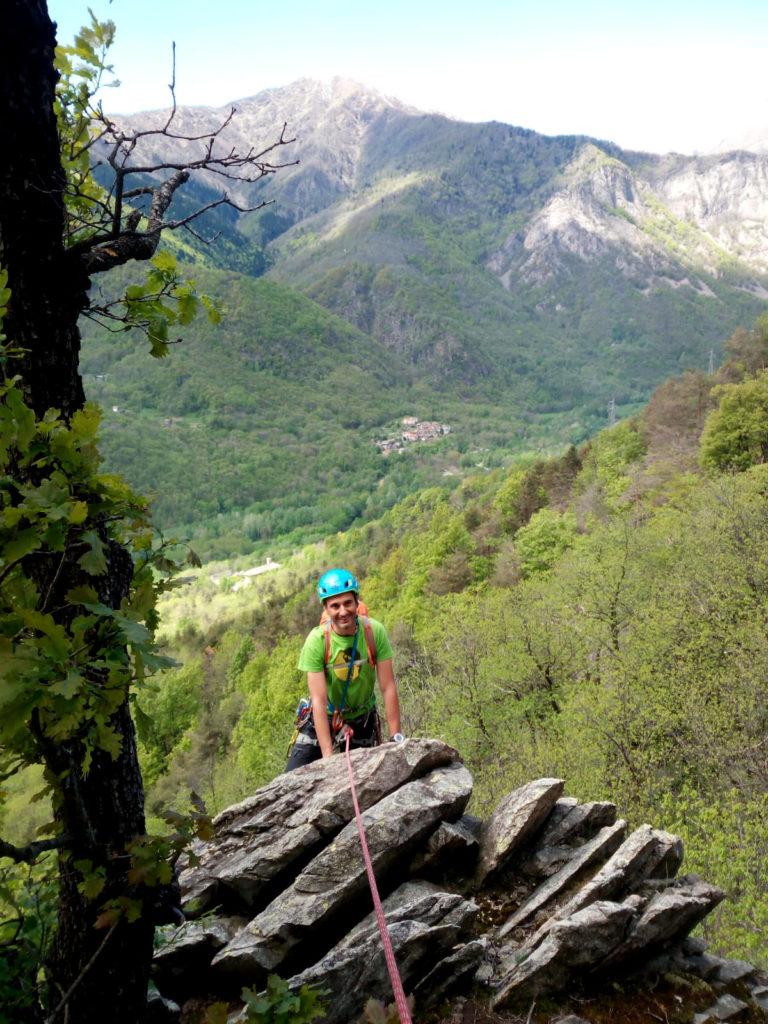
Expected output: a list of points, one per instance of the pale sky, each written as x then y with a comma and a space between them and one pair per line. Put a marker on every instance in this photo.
656, 75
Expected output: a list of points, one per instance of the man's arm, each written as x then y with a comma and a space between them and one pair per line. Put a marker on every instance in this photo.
318, 692
388, 688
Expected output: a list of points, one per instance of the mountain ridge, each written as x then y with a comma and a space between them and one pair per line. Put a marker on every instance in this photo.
540, 279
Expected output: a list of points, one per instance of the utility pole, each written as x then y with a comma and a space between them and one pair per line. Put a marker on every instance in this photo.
612, 412
711, 368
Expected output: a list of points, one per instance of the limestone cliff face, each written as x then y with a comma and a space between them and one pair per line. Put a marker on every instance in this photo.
726, 197
659, 222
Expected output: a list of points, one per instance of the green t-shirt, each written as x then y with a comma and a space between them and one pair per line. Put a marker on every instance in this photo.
360, 696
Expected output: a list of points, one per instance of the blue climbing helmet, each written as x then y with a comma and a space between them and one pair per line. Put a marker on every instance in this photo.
336, 581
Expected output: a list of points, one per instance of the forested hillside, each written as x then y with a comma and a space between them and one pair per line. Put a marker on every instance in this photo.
277, 410
600, 616
505, 282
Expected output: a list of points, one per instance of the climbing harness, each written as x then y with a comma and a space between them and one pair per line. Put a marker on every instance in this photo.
370, 640
337, 714
304, 709
389, 954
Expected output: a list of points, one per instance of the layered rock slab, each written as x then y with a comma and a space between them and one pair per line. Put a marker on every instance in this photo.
569, 824
578, 942
452, 847
258, 839
571, 820
336, 875
646, 853
188, 950
423, 928
513, 822
604, 935
596, 850
667, 916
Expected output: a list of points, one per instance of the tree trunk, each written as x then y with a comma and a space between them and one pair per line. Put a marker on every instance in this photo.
49, 290
102, 811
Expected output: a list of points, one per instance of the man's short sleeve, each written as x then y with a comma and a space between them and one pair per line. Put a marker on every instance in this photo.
312, 657
383, 646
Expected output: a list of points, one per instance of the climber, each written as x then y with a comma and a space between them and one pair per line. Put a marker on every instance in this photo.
342, 658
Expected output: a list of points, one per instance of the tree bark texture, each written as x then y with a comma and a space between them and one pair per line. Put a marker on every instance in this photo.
48, 290
103, 809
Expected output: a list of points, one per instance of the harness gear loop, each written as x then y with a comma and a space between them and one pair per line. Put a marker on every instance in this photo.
389, 954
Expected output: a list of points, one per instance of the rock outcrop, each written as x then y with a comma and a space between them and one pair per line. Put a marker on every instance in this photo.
547, 897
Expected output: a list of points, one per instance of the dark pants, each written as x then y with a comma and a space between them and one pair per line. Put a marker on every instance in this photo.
306, 749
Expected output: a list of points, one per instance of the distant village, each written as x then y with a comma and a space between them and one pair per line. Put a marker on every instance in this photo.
414, 430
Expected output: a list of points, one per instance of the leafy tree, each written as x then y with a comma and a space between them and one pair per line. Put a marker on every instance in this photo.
79, 566
736, 433
747, 352
520, 496
542, 541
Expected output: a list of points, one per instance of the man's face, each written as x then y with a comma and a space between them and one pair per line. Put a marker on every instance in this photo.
342, 611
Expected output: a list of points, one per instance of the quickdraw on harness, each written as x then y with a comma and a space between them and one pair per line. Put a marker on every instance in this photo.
303, 711
337, 713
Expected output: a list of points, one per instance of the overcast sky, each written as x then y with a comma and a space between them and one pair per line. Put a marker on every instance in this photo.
673, 75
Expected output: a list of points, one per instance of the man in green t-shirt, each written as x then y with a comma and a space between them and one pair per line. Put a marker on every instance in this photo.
343, 657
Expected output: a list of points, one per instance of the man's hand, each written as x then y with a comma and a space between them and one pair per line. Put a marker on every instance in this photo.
318, 691
388, 688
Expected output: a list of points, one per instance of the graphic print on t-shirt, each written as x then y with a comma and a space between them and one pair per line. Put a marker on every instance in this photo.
340, 666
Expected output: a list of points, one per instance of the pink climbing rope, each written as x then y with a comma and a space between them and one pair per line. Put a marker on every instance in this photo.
389, 954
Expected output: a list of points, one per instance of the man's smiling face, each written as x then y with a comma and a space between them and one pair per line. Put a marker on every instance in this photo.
342, 611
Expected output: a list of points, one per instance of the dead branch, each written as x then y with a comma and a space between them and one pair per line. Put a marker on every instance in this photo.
28, 854
67, 995
117, 240
201, 238
112, 234
172, 86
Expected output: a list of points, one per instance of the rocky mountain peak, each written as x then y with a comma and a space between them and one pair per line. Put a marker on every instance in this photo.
330, 121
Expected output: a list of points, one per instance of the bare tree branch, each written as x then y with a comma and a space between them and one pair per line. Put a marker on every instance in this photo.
106, 236
28, 854
223, 201
172, 87
65, 998
120, 242
201, 238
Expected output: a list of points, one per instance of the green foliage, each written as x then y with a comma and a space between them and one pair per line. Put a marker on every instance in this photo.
608, 459
280, 1005
165, 710
82, 70
520, 496
747, 351
736, 432
27, 922
725, 838
163, 300
272, 686
544, 539
71, 676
